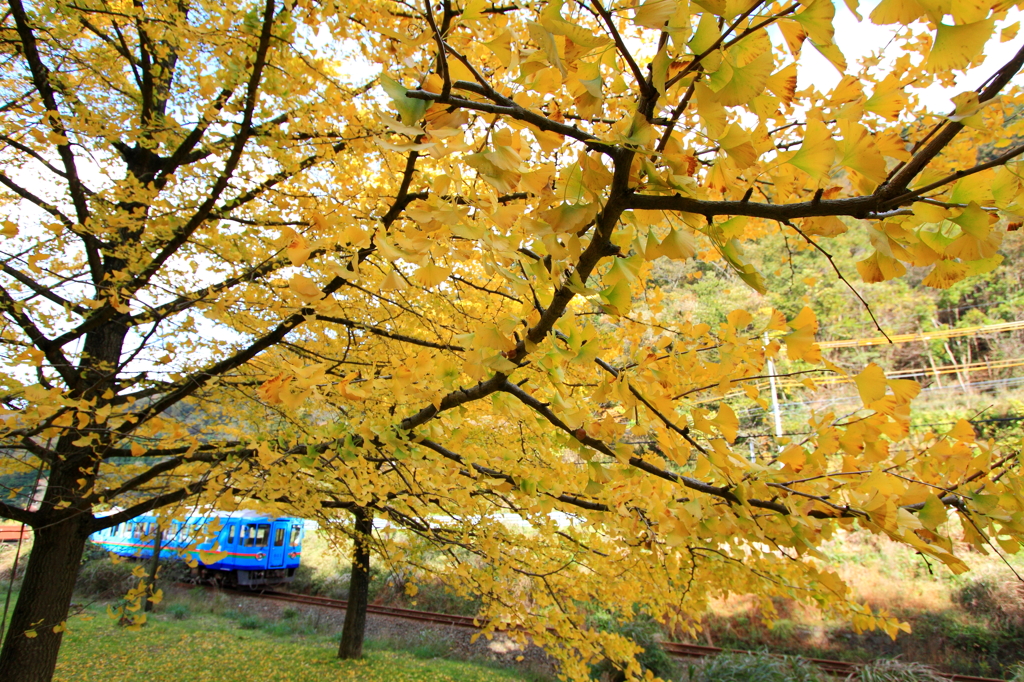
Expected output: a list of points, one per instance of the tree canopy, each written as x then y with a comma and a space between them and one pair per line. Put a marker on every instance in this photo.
234, 270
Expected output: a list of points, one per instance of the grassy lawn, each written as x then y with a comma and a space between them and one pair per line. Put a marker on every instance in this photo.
215, 649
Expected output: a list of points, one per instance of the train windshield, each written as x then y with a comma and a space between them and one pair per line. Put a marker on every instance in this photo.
279, 537
296, 534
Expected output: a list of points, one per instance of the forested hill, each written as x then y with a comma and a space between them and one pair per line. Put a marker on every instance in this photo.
973, 373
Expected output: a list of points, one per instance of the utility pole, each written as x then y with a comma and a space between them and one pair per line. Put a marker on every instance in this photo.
775, 397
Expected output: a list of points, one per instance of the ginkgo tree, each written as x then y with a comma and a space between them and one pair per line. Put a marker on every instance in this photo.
232, 271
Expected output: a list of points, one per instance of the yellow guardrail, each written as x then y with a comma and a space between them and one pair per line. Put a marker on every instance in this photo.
925, 336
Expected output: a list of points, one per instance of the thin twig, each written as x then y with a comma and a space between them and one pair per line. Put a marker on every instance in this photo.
842, 277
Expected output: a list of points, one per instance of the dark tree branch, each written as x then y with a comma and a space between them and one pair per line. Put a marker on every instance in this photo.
147, 506
901, 179
377, 331
9, 511
41, 81
35, 199
206, 209
45, 292
52, 352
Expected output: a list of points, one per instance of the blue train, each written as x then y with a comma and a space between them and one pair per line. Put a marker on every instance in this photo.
245, 549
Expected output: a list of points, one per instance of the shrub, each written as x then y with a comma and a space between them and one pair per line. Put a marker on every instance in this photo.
174, 571
105, 580
755, 667
641, 629
994, 598
977, 596
308, 580
435, 596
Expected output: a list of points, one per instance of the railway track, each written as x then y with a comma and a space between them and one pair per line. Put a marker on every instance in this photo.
392, 611
838, 668
677, 649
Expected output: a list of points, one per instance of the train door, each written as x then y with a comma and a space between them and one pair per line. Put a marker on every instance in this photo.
278, 544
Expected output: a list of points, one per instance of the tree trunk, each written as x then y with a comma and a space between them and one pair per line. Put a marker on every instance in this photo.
44, 601
154, 566
358, 587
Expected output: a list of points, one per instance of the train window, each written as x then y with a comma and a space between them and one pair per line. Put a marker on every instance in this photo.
279, 537
296, 532
247, 535
231, 533
262, 534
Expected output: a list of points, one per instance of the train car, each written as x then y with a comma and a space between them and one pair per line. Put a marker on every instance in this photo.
245, 548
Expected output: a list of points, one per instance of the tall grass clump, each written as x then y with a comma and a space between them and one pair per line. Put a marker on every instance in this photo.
895, 670
755, 667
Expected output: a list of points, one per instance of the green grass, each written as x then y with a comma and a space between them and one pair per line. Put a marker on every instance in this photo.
209, 648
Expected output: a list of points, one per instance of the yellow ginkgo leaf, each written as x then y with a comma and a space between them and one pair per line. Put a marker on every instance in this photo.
654, 13
737, 85
305, 288
712, 113
793, 33
945, 274
800, 345
393, 282
879, 267
776, 321
897, 12
871, 384
833, 54
738, 145
962, 431
298, 250
783, 83
817, 153
858, 152
678, 245
816, 20
933, 513
707, 34
727, 422
955, 46
888, 102
967, 11
430, 275
905, 390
